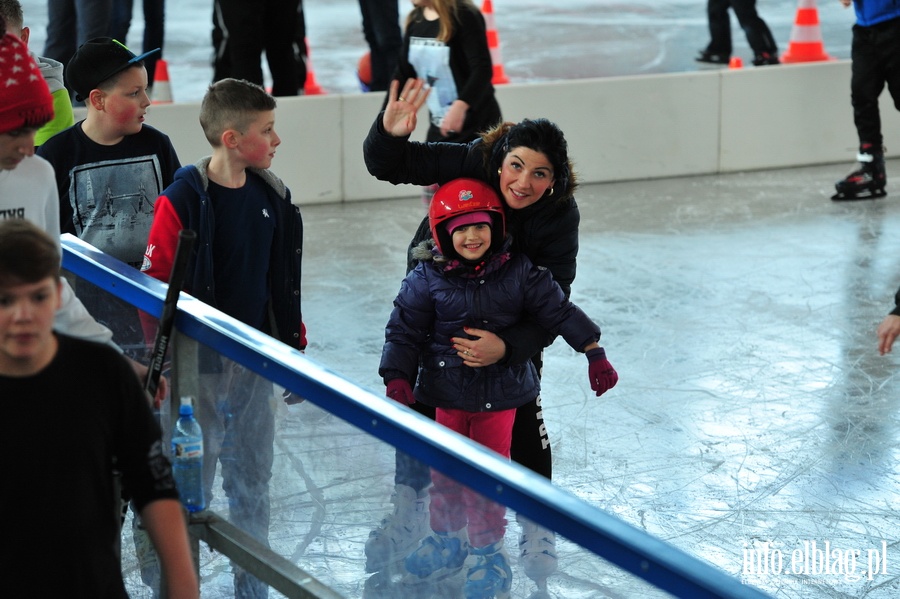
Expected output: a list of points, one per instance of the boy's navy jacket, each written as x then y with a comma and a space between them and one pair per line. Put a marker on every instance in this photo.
186, 204
433, 306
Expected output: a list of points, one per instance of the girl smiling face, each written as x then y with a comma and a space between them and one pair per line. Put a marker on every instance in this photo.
471, 242
525, 177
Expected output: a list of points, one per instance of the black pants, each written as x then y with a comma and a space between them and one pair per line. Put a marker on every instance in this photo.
875, 56
381, 28
530, 444
243, 29
758, 35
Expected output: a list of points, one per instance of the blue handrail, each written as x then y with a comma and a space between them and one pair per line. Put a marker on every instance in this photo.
616, 541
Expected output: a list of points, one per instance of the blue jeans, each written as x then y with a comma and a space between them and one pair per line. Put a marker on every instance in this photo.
154, 28
238, 422
70, 23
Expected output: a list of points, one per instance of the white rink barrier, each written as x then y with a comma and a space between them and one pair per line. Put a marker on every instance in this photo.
619, 128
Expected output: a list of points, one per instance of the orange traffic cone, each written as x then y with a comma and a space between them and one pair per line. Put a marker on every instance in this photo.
162, 90
735, 63
487, 9
806, 36
311, 87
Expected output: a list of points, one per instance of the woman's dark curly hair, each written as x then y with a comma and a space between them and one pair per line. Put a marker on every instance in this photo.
540, 135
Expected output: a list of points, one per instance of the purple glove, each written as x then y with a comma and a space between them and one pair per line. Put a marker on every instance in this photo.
601, 373
400, 391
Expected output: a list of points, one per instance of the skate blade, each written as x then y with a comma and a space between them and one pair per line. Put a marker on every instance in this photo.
842, 196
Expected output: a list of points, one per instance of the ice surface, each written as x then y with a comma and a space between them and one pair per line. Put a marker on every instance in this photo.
753, 407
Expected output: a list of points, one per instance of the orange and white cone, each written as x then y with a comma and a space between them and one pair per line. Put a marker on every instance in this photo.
162, 89
487, 9
806, 36
311, 87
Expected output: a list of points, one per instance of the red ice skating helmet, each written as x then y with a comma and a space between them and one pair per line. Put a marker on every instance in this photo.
457, 198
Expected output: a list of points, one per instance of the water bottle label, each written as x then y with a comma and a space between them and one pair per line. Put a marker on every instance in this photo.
188, 449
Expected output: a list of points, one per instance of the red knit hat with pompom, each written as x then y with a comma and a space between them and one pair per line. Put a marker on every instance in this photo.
25, 99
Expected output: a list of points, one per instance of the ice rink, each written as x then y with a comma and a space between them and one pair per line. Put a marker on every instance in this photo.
754, 416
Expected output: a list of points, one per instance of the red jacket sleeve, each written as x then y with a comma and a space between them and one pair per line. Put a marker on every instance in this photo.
163, 239
160, 253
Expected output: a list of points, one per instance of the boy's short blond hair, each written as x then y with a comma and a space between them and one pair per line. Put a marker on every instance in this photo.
232, 104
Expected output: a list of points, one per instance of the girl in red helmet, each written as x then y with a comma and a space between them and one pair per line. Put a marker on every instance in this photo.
468, 277
528, 166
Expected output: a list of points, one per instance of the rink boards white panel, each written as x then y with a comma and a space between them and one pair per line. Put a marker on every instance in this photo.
619, 128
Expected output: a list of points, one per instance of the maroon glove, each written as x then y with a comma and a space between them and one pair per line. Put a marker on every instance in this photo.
601, 373
400, 391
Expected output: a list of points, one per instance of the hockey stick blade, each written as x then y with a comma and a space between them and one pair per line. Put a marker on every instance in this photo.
183, 251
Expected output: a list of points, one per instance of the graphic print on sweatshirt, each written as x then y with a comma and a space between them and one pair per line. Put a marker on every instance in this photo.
431, 60
112, 204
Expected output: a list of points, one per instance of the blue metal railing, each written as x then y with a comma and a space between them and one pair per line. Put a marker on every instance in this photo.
616, 541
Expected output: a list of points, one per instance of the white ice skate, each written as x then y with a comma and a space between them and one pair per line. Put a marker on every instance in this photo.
400, 532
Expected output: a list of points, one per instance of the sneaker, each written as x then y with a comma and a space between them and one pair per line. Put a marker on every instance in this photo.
439, 555
400, 532
489, 574
537, 550
764, 58
711, 58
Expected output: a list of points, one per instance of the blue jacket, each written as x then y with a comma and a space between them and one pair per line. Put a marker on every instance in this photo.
186, 204
872, 12
434, 304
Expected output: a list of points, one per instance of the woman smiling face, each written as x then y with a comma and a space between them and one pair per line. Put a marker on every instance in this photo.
525, 177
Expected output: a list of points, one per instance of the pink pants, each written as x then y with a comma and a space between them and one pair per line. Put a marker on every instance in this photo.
453, 505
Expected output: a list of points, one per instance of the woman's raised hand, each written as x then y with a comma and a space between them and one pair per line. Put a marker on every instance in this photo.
400, 112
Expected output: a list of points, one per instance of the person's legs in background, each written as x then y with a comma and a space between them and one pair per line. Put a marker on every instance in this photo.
718, 51
765, 50
381, 28
154, 34
281, 23
239, 34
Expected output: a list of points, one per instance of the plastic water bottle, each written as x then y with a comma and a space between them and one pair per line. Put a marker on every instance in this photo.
187, 458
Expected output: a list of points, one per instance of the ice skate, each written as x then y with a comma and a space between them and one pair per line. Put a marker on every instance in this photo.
537, 553
439, 555
489, 575
707, 57
764, 59
867, 182
400, 532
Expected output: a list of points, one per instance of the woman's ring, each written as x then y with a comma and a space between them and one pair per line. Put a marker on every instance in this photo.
467, 353
400, 99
